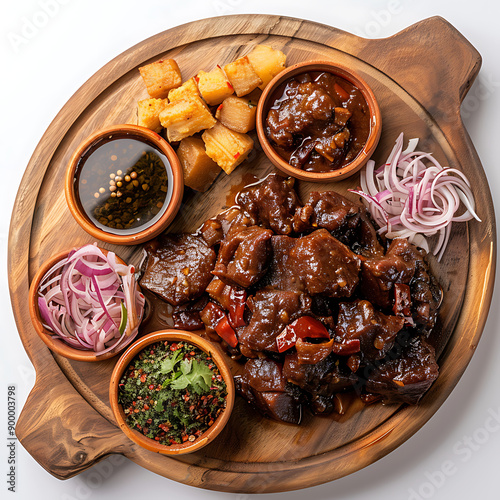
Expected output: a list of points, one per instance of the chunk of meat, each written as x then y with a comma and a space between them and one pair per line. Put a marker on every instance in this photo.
366, 239
215, 230
321, 380
280, 275
376, 331
264, 385
379, 274
187, 316
271, 203
329, 210
272, 310
244, 256
426, 297
179, 267
324, 265
407, 379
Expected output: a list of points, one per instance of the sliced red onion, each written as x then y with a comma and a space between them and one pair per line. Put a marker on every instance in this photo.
80, 300
411, 199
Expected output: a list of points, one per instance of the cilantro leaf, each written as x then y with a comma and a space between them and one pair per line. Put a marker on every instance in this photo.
168, 364
203, 373
198, 376
186, 365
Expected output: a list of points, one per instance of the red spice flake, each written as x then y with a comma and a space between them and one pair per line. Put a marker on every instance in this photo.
219, 66
219, 108
197, 79
230, 86
237, 155
173, 347
184, 438
157, 438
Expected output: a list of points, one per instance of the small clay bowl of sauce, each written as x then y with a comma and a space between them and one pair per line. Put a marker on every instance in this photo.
124, 184
163, 396
318, 121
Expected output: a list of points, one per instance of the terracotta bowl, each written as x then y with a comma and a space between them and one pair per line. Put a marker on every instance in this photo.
172, 335
266, 100
54, 344
175, 175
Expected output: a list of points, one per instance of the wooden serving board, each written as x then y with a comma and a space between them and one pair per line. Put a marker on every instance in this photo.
420, 77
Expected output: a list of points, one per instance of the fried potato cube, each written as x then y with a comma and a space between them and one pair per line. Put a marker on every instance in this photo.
199, 169
267, 63
185, 117
148, 111
186, 90
214, 86
237, 113
160, 77
226, 147
242, 76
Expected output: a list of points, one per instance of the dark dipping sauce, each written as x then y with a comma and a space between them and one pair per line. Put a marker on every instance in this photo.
318, 122
123, 184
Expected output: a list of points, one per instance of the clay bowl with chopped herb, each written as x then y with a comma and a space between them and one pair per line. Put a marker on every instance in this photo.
124, 184
172, 392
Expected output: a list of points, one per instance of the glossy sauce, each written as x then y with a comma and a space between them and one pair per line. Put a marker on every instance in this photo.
318, 122
123, 184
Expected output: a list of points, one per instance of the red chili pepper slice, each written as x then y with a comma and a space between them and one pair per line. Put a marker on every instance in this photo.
237, 302
220, 323
307, 326
225, 331
304, 327
286, 340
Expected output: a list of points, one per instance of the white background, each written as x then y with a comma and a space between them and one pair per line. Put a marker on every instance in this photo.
40, 73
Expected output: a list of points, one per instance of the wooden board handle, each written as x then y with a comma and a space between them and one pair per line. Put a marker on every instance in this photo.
432, 61
62, 432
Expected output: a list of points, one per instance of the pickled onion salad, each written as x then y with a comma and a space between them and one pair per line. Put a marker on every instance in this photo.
91, 301
412, 196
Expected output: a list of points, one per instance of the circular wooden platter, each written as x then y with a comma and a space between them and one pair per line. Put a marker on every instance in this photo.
420, 76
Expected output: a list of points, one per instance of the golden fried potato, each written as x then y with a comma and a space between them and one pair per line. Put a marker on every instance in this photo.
160, 77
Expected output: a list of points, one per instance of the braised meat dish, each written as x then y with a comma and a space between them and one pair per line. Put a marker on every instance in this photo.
307, 297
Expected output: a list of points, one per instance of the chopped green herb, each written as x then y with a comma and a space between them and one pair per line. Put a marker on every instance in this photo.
172, 392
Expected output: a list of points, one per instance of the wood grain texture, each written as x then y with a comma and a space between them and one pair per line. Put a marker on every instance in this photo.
254, 454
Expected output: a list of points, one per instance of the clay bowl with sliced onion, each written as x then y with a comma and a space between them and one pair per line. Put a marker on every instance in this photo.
145, 419
106, 304
124, 184
318, 121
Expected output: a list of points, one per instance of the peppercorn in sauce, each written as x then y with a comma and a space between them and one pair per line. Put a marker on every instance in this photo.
123, 185
172, 392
